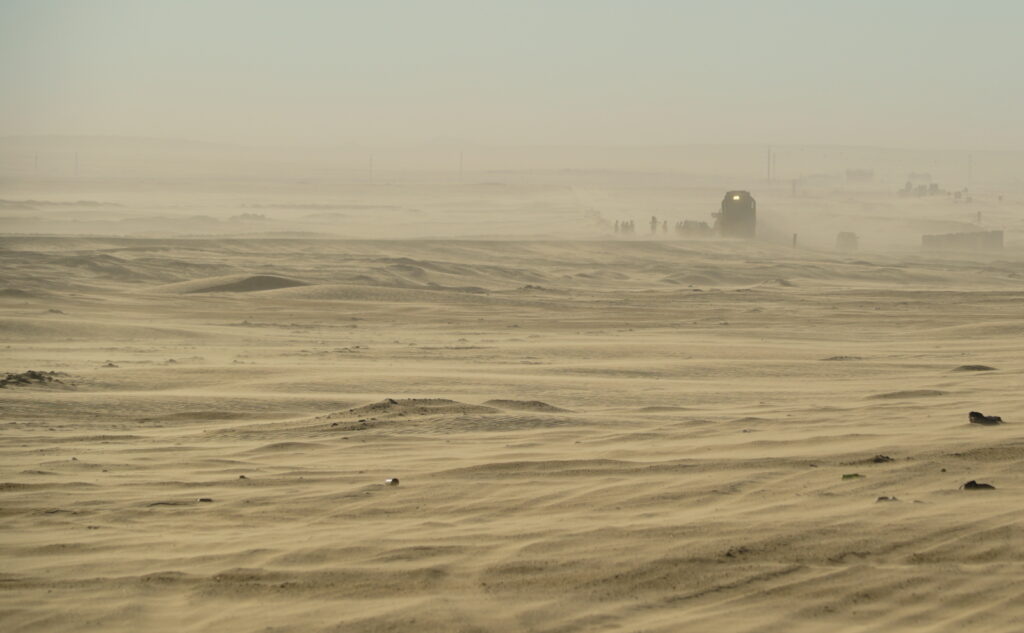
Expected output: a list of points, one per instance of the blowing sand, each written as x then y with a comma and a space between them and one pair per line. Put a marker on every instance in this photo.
589, 436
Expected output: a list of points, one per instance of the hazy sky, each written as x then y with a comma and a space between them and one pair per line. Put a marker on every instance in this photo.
912, 73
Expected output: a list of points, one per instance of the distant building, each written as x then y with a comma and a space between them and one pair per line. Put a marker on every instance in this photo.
860, 175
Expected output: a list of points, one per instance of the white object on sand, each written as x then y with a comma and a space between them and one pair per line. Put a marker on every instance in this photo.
393, 481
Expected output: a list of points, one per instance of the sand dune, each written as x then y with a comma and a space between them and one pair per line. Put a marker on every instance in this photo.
384, 293
232, 283
524, 405
584, 441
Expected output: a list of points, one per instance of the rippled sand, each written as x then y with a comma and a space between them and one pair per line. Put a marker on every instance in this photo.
589, 436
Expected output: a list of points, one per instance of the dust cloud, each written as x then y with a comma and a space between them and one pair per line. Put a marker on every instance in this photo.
292, 343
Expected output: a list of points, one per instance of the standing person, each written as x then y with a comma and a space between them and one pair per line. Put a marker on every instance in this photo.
654, 224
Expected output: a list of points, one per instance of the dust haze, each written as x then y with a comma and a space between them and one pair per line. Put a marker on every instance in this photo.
462, 316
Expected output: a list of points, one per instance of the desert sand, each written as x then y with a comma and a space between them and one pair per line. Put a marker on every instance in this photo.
590, 435
320, 317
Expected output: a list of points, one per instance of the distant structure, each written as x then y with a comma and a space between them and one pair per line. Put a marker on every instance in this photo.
846, 242
860, 175
975, 241
964, 196
738, 215
921, 185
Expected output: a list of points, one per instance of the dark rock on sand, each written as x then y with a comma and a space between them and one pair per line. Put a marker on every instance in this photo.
975, 485
977, 417
30, 377
734, 552
974, 368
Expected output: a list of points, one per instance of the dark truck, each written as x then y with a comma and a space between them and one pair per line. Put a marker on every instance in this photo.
738, 216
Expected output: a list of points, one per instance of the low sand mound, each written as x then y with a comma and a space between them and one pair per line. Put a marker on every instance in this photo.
524, 405
913, 393
384, 294
57, 329
197, 416
286, 446
15, 293
256, 283
231, 283
719, 276
106, 266
780, 282
406, 270
603, 274
391, 407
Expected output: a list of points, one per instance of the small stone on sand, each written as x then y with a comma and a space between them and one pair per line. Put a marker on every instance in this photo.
976, 417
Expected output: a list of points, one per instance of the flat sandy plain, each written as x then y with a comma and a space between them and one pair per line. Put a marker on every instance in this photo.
589, 435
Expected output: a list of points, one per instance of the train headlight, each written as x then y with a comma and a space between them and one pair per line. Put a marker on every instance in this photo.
735, 197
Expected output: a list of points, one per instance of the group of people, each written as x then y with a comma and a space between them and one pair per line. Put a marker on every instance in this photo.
628, 227
625, 227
